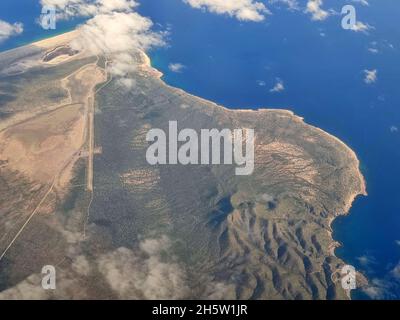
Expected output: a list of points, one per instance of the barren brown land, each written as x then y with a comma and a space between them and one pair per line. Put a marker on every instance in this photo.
76, 191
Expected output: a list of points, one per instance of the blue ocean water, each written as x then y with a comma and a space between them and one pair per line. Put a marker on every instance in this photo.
27, 12
321, 66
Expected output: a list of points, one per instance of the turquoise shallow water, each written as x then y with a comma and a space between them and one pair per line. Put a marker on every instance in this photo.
321, 66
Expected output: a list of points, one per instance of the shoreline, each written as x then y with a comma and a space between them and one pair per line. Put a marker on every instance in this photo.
68, 35
39, 39
51, 41
348, 203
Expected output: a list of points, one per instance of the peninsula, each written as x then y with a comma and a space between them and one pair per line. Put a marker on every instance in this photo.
78, 194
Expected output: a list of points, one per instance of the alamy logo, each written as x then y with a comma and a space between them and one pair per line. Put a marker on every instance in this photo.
192, 151
349, 21
348, 278
49, 277
48, 18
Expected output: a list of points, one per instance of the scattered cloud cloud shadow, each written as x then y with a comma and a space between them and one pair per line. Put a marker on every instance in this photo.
370, 76
176, 67
8, 30
278, 87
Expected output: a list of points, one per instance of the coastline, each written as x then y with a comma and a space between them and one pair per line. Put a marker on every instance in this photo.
37, 40
348, 203
60, 38
65, 37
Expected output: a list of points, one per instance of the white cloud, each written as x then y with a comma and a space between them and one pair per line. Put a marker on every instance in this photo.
150, 270
394, 129
243, 10
396, 271
143, 273
371, 76
127, 83
81, 265
366, 260
8, 30
118, 35
279, 86
28, 289
118, 32
291, 4
113, 29
176, 67
361, 27
147, 272
363, 2
314, 7
261, 83
88, 8
374, 292
386, 287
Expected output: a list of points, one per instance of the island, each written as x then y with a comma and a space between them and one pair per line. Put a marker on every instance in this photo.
77, 192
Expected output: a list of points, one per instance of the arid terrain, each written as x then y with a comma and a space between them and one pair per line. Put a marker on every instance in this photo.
76, 191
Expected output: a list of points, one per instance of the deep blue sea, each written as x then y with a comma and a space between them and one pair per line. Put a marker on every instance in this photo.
321, 66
